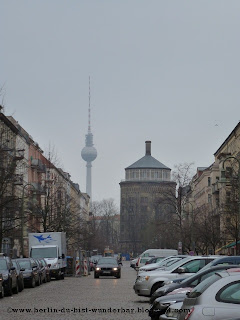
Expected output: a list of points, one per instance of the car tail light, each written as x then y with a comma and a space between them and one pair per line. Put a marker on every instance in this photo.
189, 313
137, 262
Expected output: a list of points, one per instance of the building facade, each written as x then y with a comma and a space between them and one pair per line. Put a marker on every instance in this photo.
144, 192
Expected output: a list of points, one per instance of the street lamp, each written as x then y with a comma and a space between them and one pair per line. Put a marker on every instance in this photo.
191, 233
223, 177
22, 216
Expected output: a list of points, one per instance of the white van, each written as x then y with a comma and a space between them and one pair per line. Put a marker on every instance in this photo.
159, 253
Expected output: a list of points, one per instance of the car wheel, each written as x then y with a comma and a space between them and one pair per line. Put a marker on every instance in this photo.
118, 276
155, 287
96, 276
21, 286
2, 293
62, 276
33, 282
39, 281
45, 279
15, 290
48, 278
10, 292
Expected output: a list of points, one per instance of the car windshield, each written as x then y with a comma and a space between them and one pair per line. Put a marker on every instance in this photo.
107, 261
176, 264
3, 264
25, 264
170, 262
50, 252
199, 289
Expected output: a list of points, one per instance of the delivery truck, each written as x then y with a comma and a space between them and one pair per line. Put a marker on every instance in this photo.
52, 247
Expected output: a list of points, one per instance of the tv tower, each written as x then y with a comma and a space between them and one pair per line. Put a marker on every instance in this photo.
89, 153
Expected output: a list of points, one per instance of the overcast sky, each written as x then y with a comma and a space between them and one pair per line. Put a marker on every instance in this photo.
165, 71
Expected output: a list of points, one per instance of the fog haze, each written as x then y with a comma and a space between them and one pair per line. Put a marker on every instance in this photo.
165, 71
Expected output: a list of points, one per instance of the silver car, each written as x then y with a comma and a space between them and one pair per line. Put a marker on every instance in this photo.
148, 282
216, 298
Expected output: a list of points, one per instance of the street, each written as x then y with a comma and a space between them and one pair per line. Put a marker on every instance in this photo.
79, 298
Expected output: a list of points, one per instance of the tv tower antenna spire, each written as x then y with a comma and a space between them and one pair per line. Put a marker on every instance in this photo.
89, 108
89, 153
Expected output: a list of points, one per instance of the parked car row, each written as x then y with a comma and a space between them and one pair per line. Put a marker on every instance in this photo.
212, 292
15, 274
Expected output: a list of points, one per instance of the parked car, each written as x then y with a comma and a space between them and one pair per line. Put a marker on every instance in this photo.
230, 260
141, 262
1, 286
42, 270
159, 305
161, 264
107, 266
47, 269
93, 261
9, 275
217, 297
191, 281
19, 271
148, 282
31, 272
154, 260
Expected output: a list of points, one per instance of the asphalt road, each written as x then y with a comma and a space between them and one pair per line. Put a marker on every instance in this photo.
79, 298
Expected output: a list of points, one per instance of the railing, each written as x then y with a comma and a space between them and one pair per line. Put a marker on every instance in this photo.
37, 164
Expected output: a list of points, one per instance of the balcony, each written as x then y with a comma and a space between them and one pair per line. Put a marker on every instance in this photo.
18, 179
215, 187
38, 188
38, 165
19, 154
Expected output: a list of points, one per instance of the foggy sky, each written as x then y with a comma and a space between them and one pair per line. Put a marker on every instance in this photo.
165, 71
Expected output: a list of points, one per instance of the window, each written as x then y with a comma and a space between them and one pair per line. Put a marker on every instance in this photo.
194, 266
230, 293
203, 286
209, 181
209, 198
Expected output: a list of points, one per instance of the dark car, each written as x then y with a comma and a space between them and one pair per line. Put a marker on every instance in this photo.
1, 286
224, 260
31, 272
107, 267
47, 269
42, 270
9, 275
161, 304
191, 281
19, 271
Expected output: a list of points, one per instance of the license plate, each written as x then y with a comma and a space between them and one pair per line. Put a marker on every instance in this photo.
106, 272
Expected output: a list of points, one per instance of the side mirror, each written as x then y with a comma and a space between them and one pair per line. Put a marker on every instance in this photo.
120, 263
12, 268
181, 270
63, 255
22, 269
34, 267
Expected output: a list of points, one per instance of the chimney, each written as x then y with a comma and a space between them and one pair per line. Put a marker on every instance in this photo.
148, 148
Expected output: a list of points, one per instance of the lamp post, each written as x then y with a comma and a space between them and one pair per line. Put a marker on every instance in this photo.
22, 217
191, 233
224, 177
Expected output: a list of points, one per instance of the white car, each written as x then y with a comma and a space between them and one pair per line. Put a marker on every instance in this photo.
166, 262
148, 282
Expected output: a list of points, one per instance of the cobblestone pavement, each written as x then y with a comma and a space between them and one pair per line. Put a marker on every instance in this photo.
79, 298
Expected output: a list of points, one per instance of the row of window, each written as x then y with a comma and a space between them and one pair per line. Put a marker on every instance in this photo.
148, 174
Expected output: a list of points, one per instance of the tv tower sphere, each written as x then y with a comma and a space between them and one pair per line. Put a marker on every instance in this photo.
89, 154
